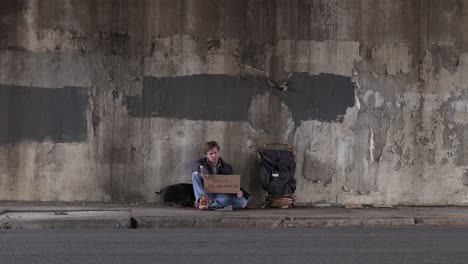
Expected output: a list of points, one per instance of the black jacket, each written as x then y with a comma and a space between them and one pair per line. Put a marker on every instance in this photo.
224, 167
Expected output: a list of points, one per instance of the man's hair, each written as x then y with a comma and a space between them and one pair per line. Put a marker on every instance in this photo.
209, 145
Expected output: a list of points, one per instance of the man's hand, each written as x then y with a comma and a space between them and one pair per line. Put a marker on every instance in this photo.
204, 175
240, 194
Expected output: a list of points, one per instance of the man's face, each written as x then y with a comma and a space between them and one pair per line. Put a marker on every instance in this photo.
213, 155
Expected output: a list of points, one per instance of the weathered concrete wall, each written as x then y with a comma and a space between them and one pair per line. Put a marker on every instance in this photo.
110, 100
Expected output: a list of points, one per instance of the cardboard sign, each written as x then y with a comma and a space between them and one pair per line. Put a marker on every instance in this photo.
222, 184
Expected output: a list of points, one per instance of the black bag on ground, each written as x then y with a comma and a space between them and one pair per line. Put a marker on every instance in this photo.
178, 195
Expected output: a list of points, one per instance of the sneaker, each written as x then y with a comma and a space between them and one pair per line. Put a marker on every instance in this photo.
203, 202
224, 209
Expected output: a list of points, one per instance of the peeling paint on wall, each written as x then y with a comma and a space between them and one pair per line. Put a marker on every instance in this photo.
460, 115
396, 57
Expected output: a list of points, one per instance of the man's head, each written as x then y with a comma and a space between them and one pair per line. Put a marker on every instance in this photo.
212, 150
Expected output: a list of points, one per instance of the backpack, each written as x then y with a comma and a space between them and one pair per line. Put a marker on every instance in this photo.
277, 168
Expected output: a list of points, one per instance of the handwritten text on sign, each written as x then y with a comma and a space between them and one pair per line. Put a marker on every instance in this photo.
222, 184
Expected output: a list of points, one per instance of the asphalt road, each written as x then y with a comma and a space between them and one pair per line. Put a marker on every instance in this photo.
338, 245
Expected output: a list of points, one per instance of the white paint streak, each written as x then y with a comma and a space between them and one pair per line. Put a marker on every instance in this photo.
460, 114
371, 145
379, 100
357, 103
366, 96
344, 146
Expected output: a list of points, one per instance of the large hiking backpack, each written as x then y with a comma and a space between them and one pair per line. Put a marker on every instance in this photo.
277, 169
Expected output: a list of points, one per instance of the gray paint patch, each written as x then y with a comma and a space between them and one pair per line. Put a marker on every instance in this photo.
197, 97
323, 97
33, 113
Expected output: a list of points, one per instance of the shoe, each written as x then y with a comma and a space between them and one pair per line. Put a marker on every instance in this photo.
224, 209
203, 202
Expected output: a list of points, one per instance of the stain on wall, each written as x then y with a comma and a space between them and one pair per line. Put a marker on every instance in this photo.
43, 114
316, 171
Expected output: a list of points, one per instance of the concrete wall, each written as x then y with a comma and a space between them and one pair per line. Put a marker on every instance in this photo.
110, 100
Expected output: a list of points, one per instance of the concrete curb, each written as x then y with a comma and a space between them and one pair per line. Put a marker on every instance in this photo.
75, 224
62, 217
61, 210
438, 221
224, 222
152, 222
66, 220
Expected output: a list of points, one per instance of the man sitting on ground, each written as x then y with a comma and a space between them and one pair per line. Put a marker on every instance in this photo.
204, 167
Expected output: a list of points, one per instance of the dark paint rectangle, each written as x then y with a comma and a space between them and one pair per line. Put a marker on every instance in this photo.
323, 97
200, 97
41, 114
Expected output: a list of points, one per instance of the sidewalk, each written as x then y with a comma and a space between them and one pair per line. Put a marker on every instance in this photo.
97, 215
